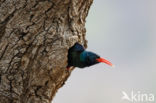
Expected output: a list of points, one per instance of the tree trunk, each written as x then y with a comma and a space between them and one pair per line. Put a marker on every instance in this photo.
35, 36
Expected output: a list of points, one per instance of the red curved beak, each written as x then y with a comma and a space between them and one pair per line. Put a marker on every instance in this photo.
104, 61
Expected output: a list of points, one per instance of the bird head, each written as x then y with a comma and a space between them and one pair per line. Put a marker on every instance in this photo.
91, 58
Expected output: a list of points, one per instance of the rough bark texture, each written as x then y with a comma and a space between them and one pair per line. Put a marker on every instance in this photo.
35, 36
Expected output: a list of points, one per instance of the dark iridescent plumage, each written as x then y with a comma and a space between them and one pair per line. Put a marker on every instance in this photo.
78, 57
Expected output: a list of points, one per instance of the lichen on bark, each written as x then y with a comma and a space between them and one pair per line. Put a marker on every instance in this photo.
35, 36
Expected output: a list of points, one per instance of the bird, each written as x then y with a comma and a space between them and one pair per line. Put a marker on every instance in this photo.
79, 57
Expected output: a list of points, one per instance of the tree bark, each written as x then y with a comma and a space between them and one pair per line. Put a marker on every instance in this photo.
35, 36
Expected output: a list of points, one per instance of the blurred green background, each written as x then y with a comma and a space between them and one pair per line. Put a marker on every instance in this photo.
124, 32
